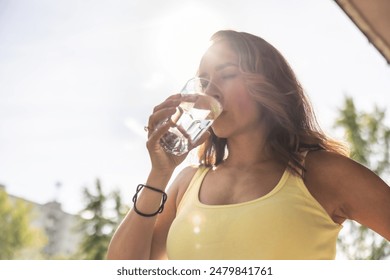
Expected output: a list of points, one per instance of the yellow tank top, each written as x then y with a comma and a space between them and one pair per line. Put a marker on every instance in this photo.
287, 223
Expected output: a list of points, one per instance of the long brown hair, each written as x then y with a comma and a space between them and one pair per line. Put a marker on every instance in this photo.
282, 101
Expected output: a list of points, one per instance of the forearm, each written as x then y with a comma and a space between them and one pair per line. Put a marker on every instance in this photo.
133, 238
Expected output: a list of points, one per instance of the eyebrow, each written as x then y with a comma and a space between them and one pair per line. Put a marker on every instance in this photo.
222, 66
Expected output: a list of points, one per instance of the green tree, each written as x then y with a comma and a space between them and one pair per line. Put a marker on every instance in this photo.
101, 214
369, 140
15, 230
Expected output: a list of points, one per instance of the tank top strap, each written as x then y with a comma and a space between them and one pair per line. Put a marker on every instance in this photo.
303, 162
304, 154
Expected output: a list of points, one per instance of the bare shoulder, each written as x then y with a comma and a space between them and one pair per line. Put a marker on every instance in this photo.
335, 169
322, 163
182, 181
349, 190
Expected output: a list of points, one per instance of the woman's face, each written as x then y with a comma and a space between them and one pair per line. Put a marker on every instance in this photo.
240, 111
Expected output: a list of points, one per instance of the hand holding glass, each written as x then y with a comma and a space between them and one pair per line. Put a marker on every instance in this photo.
195, 114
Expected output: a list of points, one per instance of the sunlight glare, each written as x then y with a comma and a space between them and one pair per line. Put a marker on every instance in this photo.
183, 38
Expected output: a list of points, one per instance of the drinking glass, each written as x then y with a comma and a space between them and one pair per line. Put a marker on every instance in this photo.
195, 114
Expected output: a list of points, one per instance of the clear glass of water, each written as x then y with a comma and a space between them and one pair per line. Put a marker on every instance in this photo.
195, 114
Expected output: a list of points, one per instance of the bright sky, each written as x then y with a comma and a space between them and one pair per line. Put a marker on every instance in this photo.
79, 79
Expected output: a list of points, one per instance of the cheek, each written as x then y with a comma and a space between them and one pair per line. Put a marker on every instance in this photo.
245, 104
235, 97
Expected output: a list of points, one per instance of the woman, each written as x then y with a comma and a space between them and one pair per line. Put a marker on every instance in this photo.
270, 184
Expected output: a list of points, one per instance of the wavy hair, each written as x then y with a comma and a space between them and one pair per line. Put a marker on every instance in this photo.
282, 101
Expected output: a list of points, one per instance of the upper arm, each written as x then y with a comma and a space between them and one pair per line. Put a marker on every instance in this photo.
354, 191
367, 199
165, 219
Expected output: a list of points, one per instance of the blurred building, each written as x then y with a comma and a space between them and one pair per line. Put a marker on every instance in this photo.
61, 229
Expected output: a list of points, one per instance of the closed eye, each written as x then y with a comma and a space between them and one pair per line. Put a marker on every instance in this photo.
204, 84
229, 76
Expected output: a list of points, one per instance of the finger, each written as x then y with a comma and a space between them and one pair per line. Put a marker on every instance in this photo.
172, 101
160, 116
175, 96
154, 136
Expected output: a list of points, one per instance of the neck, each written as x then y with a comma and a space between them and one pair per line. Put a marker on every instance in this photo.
247, 151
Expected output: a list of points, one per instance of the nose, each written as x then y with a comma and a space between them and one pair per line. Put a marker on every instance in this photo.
213, 90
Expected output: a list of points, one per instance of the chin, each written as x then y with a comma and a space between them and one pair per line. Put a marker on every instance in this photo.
220, 133
219, 128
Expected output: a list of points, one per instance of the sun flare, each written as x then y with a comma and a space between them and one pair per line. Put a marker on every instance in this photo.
183, 38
